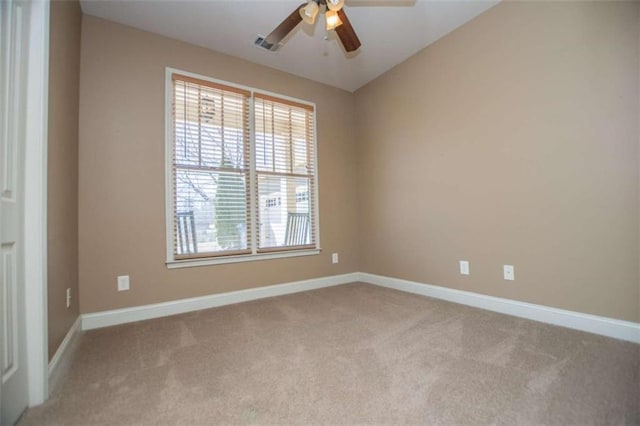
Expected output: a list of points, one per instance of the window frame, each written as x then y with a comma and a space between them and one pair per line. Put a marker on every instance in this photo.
256, 254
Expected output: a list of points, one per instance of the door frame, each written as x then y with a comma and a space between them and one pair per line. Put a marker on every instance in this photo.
35, 202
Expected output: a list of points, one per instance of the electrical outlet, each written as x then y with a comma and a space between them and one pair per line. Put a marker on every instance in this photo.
509, 272
68, 298
464, 267
334, 258
123, 283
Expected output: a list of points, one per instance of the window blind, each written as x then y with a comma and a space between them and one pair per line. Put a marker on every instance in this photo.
211, 169
243, 172
285, 174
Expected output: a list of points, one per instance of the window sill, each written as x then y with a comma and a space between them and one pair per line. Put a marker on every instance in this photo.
188, 263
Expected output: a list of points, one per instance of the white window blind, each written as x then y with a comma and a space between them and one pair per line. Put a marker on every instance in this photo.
221, 205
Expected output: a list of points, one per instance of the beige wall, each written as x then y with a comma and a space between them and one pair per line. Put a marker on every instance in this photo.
62, 187
513, 140
122, 203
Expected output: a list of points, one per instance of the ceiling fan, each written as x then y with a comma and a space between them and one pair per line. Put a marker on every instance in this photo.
335, 19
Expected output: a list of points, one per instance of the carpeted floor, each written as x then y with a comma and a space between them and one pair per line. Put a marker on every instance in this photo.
343, 355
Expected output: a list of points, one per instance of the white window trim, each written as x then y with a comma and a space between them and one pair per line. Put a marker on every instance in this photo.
169, 210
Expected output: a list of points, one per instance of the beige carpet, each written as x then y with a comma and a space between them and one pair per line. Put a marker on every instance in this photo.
344, 355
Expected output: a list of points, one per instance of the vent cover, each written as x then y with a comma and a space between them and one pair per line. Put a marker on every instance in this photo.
262, 43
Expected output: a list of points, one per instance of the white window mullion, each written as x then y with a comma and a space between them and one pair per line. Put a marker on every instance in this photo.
253, 181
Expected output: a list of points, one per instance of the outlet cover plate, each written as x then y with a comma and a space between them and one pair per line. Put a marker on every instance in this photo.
509, 272
464, 267
123, 283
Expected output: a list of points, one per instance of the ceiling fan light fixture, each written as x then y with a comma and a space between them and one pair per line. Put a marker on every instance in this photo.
336, 20
309, 12
332, 20
335, 5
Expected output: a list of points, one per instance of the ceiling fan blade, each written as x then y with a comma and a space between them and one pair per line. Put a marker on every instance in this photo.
346, 33
285, 26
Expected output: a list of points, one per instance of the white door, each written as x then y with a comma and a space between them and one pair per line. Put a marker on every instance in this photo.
13, 70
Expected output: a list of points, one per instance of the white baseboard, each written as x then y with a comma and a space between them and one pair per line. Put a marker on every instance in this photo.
624, 330
138, 313
62, 351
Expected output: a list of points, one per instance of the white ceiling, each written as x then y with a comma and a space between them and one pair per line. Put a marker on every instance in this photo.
390, 31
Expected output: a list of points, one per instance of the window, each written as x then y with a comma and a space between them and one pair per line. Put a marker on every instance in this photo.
241, 173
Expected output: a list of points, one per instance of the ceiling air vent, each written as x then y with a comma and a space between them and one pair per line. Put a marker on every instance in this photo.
262, 43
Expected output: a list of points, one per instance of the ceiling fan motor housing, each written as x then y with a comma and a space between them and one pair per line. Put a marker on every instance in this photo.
334, 5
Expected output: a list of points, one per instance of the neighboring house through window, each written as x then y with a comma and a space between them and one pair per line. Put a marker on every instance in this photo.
241, 173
